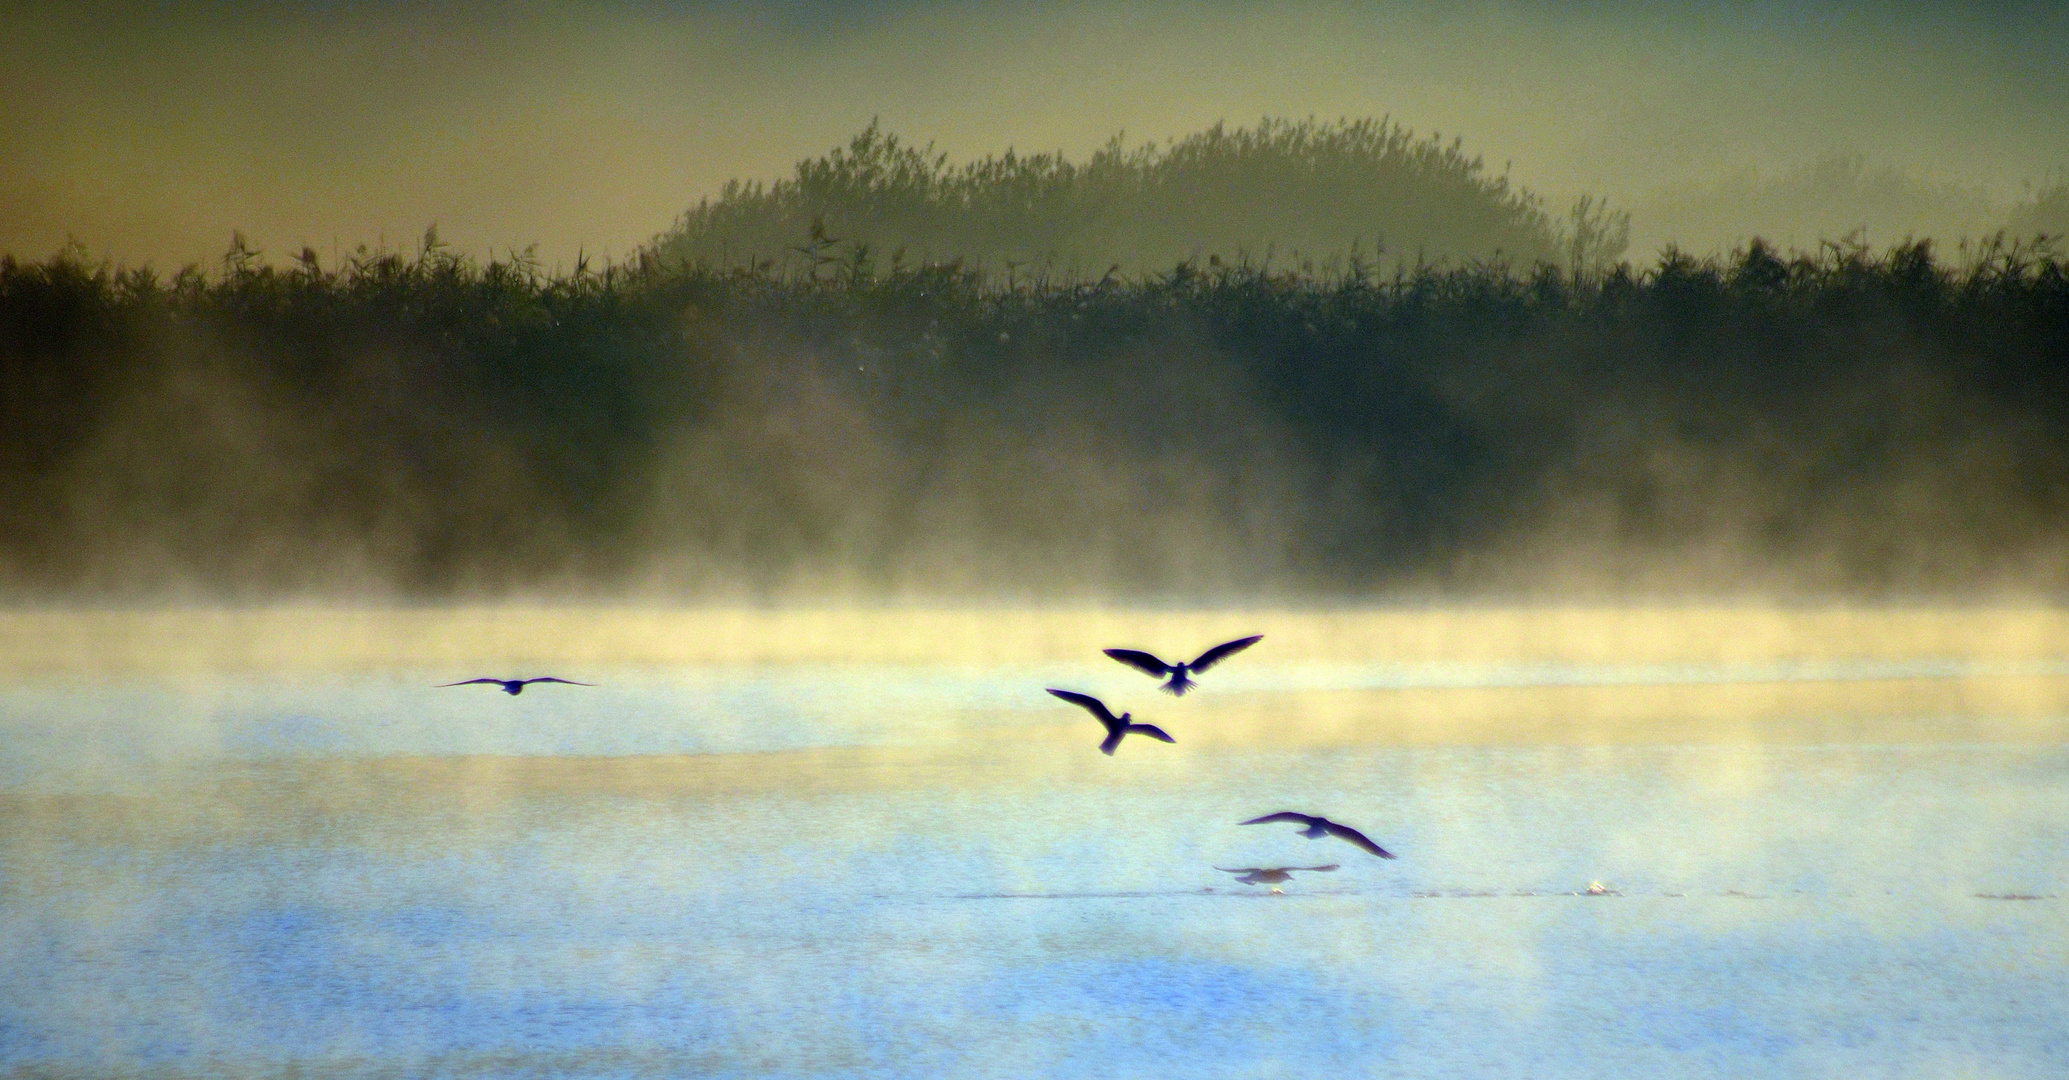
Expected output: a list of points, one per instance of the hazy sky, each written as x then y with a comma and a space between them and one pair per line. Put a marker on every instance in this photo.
149, 131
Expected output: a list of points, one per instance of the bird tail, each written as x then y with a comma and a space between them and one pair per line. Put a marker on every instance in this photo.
1178, 685
1113, 740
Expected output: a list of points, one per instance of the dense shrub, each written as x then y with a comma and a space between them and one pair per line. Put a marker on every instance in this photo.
1280, 195
1840, 421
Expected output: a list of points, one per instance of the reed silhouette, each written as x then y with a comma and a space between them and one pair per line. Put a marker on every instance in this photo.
1836, 422
1281, 194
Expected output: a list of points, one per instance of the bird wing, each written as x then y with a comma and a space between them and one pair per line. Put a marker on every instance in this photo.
1222, 652
1358, 839
1151, 730
1090, 704
471, 682
550, 678
1318, 869
1283, 815
1244, 870
1140, 661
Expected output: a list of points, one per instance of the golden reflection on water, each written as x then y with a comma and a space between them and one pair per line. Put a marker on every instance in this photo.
1987, 709
354, 639
971, 750
197, 648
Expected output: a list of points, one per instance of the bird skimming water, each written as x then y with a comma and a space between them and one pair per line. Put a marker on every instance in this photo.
1181, 673
514, 687
1318, 827
1116, 726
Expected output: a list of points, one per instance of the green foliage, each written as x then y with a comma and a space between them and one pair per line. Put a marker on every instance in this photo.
436, 426
1283, 194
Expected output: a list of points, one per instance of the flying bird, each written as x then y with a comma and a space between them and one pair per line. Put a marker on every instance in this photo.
1272, 875
514, 687
1318, 827
1181, 673
1116, 726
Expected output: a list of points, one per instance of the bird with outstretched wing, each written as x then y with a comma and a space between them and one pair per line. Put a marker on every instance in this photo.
1318, 827
1181, 673
1116, 726
514, 687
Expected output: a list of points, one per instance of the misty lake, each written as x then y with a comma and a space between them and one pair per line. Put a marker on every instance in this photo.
1808, 866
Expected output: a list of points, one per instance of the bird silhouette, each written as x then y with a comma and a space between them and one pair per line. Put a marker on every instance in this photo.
1318, 827
1272, 875
1116, 726
514, 687
1181, 673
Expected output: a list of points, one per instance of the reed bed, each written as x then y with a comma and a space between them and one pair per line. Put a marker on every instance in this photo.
1846, 421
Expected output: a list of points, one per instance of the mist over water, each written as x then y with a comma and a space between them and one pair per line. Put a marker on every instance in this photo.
866, 844
1639, 435
1850, 425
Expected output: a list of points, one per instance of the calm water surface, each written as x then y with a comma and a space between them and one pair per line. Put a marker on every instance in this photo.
855, 871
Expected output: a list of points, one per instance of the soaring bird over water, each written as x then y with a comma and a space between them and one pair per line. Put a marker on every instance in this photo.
1272, 875
1318, 827
514, 687
1180, 673
1116, 726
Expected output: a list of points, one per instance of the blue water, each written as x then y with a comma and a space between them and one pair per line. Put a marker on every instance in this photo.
906, 872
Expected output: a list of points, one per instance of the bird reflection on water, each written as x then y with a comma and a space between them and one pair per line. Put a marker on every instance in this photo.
1273, 875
